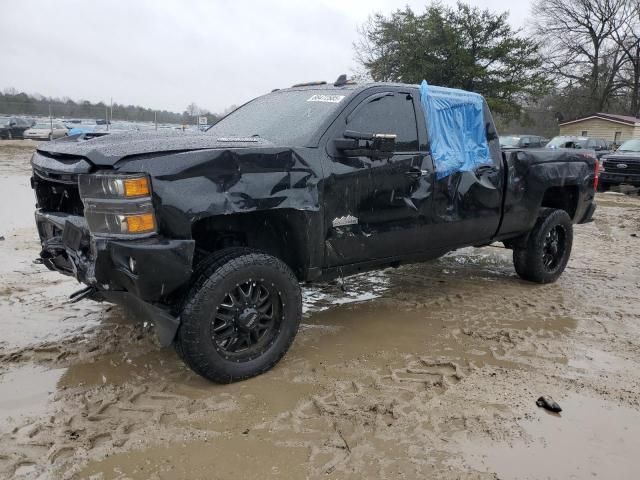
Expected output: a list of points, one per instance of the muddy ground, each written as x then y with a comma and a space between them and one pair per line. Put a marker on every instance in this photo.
426, 371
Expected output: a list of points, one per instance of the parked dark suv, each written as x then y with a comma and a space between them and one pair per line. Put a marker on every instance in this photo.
521, 141
13, 127
622, 166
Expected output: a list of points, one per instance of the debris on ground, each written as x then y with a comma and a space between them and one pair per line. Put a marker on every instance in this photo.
548, 403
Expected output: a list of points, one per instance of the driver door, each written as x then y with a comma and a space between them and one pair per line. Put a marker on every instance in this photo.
372, 204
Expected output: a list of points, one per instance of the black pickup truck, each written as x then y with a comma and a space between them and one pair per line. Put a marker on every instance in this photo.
210, 234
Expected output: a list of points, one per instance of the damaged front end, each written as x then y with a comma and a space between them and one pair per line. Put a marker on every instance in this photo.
101, 229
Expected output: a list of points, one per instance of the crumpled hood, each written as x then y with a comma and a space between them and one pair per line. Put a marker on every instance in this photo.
109, 149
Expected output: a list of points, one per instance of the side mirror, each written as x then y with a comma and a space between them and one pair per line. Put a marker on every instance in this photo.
342, 144
366, 144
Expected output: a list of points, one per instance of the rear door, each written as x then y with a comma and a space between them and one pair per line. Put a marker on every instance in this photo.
467, 206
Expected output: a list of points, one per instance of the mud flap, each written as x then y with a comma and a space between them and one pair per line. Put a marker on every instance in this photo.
166, 324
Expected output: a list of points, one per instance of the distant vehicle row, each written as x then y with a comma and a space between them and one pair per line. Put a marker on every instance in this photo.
561, 141
14, 127
617, 166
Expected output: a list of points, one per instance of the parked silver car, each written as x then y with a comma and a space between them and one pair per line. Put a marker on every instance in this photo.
46, 131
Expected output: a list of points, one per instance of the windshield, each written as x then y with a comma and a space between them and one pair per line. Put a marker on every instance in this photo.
4, 121
509, 141
43, 126
284, 118
630, 146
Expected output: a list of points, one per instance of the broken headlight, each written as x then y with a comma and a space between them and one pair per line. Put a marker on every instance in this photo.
117, 205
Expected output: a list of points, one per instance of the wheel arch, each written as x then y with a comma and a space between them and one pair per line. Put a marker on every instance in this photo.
563, 197
284, 233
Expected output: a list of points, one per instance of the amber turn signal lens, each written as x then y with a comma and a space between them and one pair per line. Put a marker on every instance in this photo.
136, 187
144, 223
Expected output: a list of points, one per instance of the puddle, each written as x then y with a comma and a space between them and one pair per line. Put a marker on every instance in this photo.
597, 360
356, 288
25, 392
591, 438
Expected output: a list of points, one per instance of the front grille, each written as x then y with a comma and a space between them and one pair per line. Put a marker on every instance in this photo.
57, 195
632, 168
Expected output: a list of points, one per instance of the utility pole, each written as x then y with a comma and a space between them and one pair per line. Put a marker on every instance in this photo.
50, 119
111, 111
155, 119
106, 116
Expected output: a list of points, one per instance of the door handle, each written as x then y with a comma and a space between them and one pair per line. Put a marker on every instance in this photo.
485, 169
415, 172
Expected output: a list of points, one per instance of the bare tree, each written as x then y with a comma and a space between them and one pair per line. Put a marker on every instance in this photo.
580, 46
628, 39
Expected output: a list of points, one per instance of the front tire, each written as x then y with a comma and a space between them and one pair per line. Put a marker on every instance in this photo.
547, 249
240, 317
604, 187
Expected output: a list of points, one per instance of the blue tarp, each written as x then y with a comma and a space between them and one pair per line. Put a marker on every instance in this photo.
455, 121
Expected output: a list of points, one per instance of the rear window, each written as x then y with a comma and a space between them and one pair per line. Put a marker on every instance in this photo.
509, 141
568, 142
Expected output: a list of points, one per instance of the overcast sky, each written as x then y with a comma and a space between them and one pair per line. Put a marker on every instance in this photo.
166, 54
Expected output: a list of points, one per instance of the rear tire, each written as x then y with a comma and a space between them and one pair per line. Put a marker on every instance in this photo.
240, 316
548, 248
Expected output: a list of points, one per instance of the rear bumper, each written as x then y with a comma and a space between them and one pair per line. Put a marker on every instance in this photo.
136, 273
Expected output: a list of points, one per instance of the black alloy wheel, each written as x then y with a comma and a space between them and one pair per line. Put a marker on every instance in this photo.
239, 316
553, 248
544, 255
247, 321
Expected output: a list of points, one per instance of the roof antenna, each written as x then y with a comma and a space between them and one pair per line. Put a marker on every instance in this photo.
342, 80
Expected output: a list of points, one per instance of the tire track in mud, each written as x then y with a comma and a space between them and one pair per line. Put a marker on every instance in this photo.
102, 421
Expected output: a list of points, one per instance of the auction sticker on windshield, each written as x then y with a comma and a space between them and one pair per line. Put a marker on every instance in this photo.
326, 98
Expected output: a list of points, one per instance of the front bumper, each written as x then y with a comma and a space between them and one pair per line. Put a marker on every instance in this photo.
618, 178
137, 273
